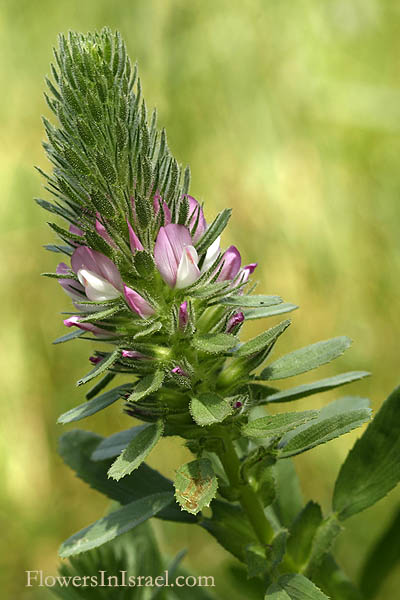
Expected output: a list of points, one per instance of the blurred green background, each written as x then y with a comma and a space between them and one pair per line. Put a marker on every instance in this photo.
287, 111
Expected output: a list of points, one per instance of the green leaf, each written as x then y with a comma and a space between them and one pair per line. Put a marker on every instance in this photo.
101, 366
214, 230
231, 528
214, 343
100, 385
289, 500
307, 358
255, 560
76, 448
69, 336
114, 444
195, 485
322, 544
272, 311
335, 419
114, 524
209, 408
277, 425
146, 386
263, 341
137, 450
294, 587
255, 301
382, 558
372, 468
333, 582
93, 406
323, 385
302, 533
136, 553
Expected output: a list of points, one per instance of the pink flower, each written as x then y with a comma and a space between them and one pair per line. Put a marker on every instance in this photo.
157, 204
175, 256
134, 241
137, 303
97, 331
73, 288
132, 354
97, 273
101, 230
183, 315
231, 264
196, 215
236, 319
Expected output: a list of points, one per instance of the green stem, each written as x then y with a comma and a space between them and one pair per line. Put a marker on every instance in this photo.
247, 497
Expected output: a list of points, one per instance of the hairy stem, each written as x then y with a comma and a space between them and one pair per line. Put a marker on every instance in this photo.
248, 499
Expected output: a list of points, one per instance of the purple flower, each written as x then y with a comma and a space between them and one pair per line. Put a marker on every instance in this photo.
183, 315
73, 288
101, 230
231, 264
175, 256
134, 241
157, 204
179, 371
95, 359
137, 303
236, 319
245, 273
97, 273
75, 230
97, 331
132, 354
196, 215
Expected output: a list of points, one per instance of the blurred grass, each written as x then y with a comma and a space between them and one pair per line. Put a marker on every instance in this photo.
287, 111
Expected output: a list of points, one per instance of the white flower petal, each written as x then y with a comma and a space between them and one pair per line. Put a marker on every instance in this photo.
188, 271
97, 289
211, 254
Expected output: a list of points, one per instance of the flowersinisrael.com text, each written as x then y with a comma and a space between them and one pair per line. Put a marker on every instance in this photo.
122, 579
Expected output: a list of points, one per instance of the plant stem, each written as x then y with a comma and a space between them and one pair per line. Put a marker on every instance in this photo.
248, 499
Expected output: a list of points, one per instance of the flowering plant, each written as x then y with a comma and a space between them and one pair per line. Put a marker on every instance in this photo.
151, 284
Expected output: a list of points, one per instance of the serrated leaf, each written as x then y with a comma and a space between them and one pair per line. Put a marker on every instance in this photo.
93, 406
372, 468
262, 341
195, 485
101, 367
255, 301
214, 343
209, 408
382, 558
116, 443
307, 358
114, 524
146, 386
271, 311
323, 385
76, 448
335, 419
213, 230
136, 451
277, 425
294, 587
